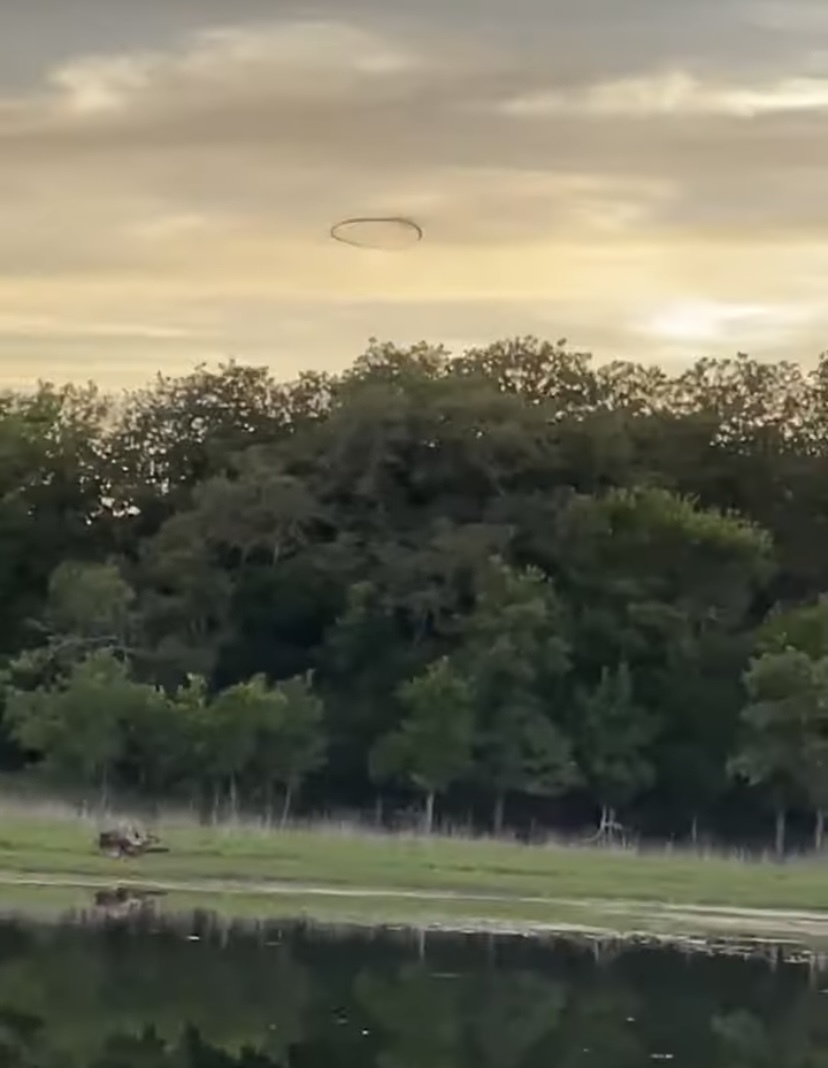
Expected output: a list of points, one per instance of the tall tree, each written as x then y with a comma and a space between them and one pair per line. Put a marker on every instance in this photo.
612, 735
53, 485
515, 653
89, 607
668, 588
290, 740
77, 723
227, 736
785, 731
433, 746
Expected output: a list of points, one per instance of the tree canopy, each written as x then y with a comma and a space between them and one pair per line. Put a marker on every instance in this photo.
538, 588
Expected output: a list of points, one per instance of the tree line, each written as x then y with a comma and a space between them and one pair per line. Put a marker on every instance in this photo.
513, 581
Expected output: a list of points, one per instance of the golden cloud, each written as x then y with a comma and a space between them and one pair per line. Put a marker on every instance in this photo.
156, 196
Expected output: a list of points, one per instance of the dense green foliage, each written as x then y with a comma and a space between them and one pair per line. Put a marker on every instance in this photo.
512, 579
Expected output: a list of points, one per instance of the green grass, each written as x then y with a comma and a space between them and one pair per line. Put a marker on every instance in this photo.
340, 874
40, 841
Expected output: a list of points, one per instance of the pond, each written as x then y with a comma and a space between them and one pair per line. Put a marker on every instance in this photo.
145, 991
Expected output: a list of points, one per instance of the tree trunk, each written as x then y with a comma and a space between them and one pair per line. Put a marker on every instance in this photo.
269, 805
819, 830
234, 798
499, 805
429, 812
216, 802
781, 827
287, 803
379, 810
104, 798
694, 831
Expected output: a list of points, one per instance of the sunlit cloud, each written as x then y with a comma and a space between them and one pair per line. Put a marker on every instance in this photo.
676, 93
715, 321
22, 326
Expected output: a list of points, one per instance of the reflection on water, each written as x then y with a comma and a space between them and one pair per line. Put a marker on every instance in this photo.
125, 900
146, 993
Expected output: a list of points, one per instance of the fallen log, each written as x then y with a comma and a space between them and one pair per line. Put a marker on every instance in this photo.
129, 843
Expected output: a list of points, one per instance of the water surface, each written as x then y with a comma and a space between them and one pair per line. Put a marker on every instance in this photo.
155, 993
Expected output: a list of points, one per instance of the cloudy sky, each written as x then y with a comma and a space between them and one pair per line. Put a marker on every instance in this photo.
644, 177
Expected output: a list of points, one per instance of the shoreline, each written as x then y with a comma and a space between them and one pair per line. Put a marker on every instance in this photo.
616, 918
339, 873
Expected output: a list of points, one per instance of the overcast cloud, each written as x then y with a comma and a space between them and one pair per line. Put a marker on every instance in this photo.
645, 178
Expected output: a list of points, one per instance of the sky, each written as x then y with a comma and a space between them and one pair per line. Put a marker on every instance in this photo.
646, 178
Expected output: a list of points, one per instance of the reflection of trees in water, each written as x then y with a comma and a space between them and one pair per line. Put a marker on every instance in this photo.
104, 998
146, 1050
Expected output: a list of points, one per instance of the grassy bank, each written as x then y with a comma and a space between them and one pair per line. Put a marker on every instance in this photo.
50, 842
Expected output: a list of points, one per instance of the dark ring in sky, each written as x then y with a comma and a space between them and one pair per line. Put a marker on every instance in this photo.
397, 220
